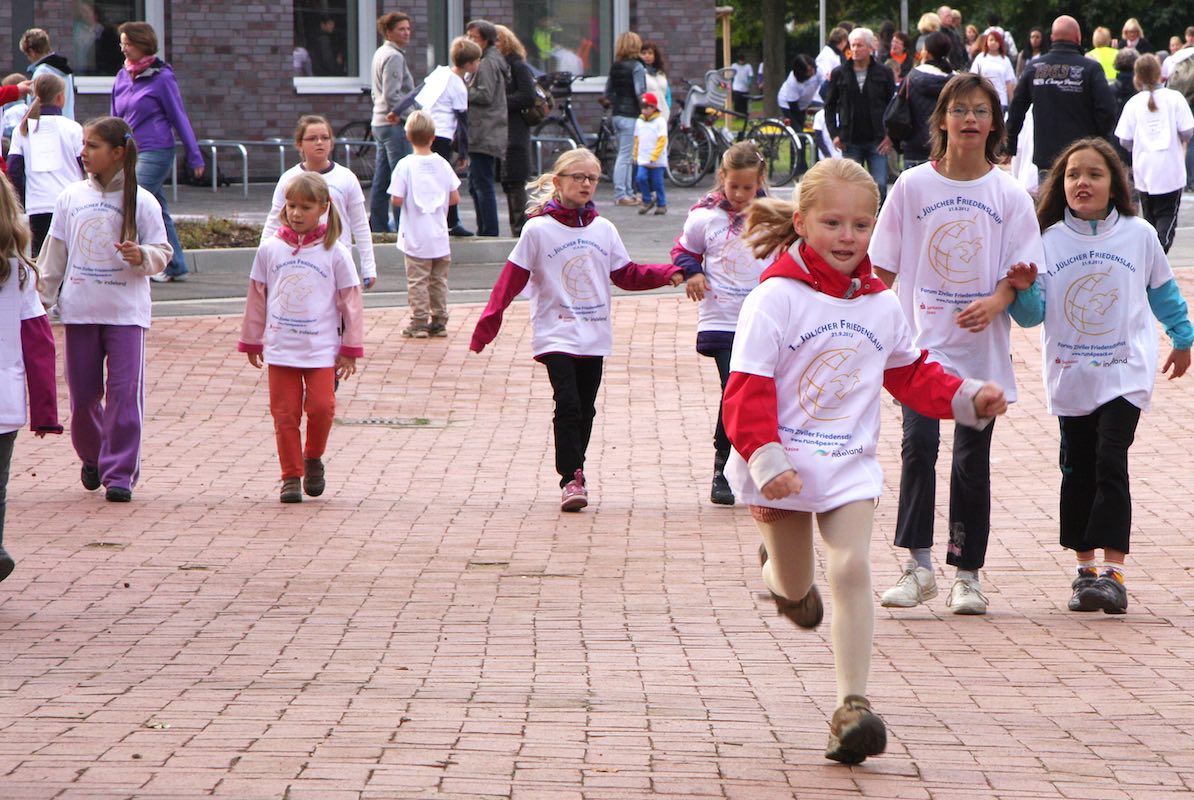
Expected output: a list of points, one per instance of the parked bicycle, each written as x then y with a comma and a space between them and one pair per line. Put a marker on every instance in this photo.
561, 131
696, 143
361, 156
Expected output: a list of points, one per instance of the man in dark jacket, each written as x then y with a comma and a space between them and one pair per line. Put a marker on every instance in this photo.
1069, 96
858, 95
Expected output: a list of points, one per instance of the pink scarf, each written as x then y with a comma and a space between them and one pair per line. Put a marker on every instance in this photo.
299, 241
135, 68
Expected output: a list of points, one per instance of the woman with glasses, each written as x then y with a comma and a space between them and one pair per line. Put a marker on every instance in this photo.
948, 234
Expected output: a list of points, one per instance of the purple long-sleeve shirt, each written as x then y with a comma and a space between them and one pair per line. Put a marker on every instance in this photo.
152, 106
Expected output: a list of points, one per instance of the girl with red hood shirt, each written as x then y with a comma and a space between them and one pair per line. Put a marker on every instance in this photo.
815, 343
569, 256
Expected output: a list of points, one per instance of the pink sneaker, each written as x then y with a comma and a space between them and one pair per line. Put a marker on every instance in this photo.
575, 496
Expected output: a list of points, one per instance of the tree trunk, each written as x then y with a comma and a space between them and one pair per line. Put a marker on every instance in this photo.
774, 68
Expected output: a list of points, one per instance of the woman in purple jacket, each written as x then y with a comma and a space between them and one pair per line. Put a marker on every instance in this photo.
146, 96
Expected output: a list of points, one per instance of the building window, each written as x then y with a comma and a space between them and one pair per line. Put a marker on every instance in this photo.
333, 43
574, 36
94, 46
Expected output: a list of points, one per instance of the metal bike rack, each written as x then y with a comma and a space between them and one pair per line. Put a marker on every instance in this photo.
348, 144
539, 141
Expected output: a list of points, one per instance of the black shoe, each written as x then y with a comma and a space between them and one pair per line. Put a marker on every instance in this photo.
6, 563
460, 231
807, 612
118, 494
1083, 582
855, 732
89, 476
292, 491
721, 493
1107, 594
313, 477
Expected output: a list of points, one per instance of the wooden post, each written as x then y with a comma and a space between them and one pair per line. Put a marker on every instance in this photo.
724, 13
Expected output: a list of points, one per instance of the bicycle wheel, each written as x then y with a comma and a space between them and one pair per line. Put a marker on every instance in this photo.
779, 148
606, 149
361, 156
690, 154
550, 138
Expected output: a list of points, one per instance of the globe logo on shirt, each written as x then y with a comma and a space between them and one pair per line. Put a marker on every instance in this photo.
1086, 308
293, 291
577, 277
95, 240
827, 383
738, 261
952, 248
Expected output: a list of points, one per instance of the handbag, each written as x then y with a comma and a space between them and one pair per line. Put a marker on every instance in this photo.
541, 108
897, 117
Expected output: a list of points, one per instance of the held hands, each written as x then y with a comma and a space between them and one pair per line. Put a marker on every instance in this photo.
784, 484
695, 287
345, 367
255, 359
1021, 276
979, 314
131, 253
1179, 360
989, 401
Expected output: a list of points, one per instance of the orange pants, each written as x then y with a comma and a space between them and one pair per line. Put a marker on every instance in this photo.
287, 404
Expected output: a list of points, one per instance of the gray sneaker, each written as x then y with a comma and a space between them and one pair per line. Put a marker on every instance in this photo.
966, 598
914, 587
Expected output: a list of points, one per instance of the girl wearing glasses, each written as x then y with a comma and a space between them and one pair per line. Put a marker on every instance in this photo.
313, 138
566, 259
949, 231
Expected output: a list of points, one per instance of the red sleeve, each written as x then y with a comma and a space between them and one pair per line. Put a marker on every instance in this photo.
9, 94
750, 412
252, 327
924, 387
37, 349
512, 281
639, 277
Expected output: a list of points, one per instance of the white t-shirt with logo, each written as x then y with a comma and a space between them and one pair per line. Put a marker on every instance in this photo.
950, 242
1099, 340
16, 305
731, 272
425, 184
447, 94
569, 284
998, 70
51, 153
344, 190
98, 286
827, 357
1158, 157
302, 323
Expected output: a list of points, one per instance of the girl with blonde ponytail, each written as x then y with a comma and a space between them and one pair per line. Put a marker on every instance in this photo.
816, 342
40, 179
1155, 126
107, 237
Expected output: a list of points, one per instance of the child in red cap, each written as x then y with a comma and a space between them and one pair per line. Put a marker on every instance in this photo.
650, 154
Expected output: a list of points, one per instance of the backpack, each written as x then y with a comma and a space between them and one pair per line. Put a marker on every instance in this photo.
897, 117
1182, 79
541, 109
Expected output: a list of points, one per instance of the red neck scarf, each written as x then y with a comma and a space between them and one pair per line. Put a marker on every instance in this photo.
299, 241
816, 272
135, 68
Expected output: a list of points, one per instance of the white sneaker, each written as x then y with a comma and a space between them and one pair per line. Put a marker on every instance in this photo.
965, 598
914, 587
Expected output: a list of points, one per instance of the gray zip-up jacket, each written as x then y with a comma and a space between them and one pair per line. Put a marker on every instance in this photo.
391, 83
487, 114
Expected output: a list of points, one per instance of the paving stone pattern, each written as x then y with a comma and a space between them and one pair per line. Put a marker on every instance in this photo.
434, 627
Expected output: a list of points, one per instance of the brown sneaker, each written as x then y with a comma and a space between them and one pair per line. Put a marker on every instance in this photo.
417, 330
437, 329
855, 732
807, 612
292, 492
313, 480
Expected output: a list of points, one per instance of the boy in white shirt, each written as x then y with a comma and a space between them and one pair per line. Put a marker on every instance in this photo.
650, 153
424, 186
445, 97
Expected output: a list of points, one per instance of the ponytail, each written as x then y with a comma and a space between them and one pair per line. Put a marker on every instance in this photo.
115, 132
332, 235
1146, 74
311, 187
46, 88
14, 235
769, 228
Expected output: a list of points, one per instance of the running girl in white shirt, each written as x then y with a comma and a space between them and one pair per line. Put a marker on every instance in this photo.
816, 342
1156, 126
566, 257
106, 239
713, 235
956, 225
304, 315
314, 140
44, 156
26, 350
1104, 270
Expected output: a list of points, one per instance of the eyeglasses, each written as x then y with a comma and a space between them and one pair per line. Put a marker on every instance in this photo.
580, 177
317, 138
961, 112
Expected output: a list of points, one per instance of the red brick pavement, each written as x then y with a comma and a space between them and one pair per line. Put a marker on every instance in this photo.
433, 626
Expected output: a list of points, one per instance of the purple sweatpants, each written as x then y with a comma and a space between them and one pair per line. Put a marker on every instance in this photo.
105, 424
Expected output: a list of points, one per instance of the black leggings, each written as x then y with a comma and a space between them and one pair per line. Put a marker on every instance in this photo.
574, 381
1096, 503
1160, 211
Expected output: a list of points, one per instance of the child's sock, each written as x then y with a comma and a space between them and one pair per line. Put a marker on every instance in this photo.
923, 556
1114, 571
1088, 568
968, 575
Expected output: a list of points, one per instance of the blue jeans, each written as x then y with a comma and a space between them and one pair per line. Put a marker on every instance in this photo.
650, 185
868, 156
153, 168
391, 148
481, 171
624, 165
